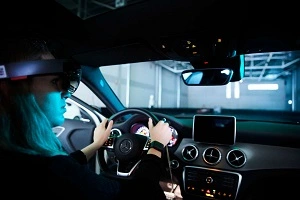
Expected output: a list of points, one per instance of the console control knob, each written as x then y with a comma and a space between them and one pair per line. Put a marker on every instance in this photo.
209, 179
174, 164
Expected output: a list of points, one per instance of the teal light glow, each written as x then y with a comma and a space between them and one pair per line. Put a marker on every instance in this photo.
101, 83
242, 66
53, 106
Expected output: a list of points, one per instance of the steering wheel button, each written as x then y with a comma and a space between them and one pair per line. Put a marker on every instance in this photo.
109, 142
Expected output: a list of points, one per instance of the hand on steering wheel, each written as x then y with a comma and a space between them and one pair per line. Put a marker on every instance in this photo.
127, 149
156, 131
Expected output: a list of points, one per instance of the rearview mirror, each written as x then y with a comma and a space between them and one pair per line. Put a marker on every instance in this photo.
206, 77
236, 63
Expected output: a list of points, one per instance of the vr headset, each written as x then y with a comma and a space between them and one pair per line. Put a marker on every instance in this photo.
68, 69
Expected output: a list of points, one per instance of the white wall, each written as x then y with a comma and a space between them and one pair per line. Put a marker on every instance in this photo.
216, 95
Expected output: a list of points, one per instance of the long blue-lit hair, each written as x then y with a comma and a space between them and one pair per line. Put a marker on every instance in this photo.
24, 126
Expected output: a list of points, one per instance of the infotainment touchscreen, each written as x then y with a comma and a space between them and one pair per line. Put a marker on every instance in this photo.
214, 129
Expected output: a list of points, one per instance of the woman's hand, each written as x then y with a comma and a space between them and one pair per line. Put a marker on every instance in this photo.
161, 132
101, 133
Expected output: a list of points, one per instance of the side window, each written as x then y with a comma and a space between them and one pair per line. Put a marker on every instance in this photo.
73, 111
77, 111
85, 94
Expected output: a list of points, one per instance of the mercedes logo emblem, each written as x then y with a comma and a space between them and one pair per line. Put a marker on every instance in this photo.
126, 146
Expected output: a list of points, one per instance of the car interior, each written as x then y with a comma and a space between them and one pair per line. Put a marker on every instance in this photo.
195, 64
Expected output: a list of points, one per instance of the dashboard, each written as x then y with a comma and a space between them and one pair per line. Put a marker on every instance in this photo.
262, 163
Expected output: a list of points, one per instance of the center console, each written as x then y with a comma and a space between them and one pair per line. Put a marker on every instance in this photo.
211, 183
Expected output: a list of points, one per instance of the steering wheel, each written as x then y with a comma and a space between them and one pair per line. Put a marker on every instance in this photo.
121, 154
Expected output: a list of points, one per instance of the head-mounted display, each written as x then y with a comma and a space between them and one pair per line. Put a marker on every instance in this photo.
69, 69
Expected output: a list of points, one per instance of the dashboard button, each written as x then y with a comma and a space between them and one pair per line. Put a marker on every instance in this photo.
209, 180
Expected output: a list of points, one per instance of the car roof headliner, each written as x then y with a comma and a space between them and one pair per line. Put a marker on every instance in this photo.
136, 32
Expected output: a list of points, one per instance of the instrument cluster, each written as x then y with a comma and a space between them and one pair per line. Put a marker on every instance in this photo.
142, 129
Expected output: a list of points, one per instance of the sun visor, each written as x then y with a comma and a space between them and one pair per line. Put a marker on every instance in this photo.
24, 69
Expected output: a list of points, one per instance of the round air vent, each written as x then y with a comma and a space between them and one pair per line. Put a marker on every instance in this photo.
212, 156
190, 153
236, 158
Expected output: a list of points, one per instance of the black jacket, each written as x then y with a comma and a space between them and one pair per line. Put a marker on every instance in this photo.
60, 177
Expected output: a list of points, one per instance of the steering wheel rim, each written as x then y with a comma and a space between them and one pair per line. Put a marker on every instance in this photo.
127, 148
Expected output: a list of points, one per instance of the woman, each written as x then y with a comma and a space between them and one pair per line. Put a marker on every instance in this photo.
33, 89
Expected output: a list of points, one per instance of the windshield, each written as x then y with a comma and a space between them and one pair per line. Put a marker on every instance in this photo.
267, 92
270, 84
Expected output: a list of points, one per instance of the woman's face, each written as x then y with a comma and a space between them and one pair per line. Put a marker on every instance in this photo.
49, 97
51, 100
